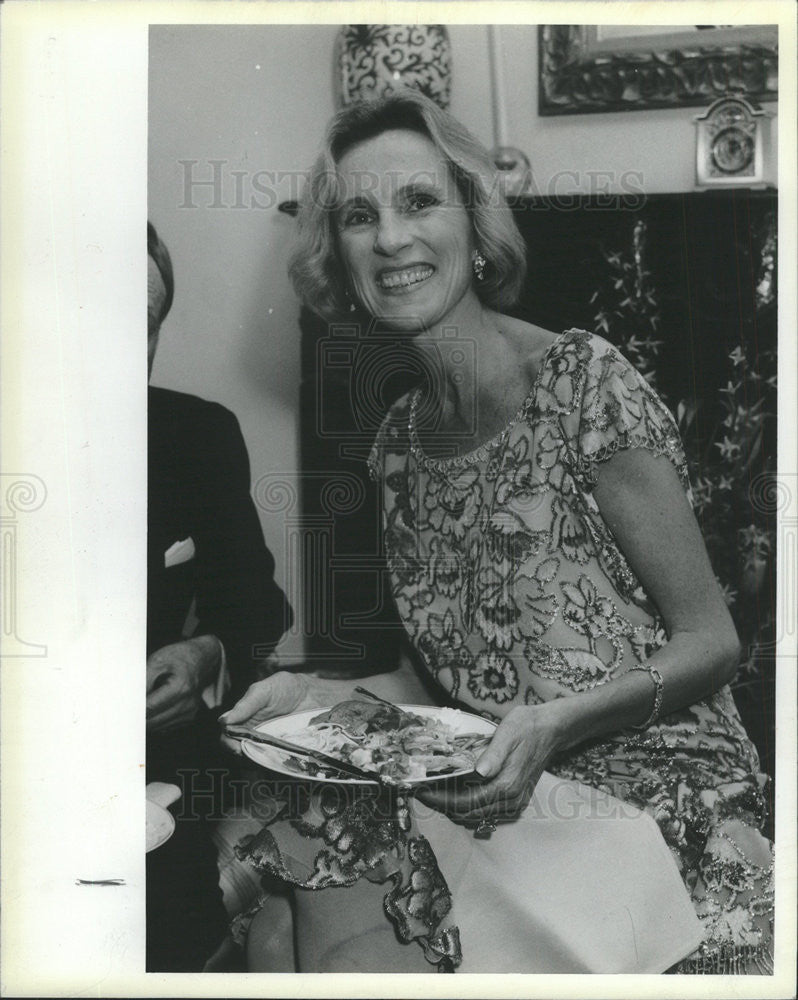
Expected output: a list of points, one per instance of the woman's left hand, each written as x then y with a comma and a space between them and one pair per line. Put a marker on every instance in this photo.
522, 746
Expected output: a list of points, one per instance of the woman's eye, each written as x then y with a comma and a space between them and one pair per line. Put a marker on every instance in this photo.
418, 202
357, 217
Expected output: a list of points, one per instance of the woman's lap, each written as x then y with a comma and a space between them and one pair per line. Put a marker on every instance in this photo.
270, 940
527, 901
345, 930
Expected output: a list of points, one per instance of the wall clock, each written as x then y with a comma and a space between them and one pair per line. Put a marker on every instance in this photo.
730, 143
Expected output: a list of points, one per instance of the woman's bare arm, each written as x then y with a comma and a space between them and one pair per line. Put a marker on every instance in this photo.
642, 501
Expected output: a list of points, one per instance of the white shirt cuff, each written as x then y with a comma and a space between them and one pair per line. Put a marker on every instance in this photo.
214, 693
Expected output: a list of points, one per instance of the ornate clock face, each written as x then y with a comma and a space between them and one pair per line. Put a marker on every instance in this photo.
729, 143
732, 150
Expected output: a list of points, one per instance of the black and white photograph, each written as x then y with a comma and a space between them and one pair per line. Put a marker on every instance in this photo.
425, 601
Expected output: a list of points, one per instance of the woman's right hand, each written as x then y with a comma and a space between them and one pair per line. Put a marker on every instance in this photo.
281, 694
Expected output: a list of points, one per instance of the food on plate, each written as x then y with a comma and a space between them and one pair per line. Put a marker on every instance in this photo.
395, 744
359, 717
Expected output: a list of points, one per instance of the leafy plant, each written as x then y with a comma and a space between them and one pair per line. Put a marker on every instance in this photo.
729, 467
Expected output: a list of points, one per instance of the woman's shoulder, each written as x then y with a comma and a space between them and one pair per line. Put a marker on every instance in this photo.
559, 365
531, 342
586, 358
584, 345
542, 349
392, 434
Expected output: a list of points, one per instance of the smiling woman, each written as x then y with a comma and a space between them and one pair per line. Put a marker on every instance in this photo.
455, 170
550, 575
406, 247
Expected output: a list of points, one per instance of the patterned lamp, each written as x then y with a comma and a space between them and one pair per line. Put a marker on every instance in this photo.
375, 59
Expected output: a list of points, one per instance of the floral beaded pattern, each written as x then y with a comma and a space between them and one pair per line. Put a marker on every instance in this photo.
514, 591
502, 568
333, 836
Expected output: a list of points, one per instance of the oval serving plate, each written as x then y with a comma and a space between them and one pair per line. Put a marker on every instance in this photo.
286, 726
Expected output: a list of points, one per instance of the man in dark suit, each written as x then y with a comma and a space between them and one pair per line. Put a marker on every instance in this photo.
213, 612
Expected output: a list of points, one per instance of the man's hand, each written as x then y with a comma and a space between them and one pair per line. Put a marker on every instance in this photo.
176, 677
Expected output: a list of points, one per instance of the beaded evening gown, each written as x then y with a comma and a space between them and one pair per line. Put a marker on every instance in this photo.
513, 591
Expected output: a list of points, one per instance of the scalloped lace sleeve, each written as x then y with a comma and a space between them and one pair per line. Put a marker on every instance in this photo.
392, 437
620, 410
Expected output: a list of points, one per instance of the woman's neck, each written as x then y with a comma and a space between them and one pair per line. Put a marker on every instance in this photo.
488, 363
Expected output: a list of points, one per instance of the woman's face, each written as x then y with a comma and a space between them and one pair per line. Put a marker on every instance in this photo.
404, 233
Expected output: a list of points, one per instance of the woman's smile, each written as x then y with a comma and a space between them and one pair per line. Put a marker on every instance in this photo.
404, 278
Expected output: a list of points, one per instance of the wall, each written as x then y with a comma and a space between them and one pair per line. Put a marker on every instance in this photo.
256, 99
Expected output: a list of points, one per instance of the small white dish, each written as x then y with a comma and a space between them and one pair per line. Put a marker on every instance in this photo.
160, 825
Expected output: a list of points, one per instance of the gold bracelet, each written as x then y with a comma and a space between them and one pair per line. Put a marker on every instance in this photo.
655, 676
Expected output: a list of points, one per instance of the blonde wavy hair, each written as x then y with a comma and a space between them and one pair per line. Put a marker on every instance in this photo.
315, 267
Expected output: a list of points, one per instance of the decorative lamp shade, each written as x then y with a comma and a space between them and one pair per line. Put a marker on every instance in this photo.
375, 59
